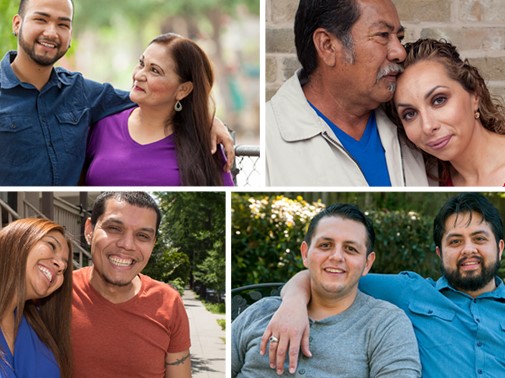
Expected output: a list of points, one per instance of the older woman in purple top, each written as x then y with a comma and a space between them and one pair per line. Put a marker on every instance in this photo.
163, 141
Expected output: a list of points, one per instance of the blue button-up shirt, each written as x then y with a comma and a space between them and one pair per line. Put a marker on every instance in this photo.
43, 133
458, 336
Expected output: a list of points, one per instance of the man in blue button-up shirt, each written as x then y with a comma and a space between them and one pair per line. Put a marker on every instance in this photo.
459, 320
45, 112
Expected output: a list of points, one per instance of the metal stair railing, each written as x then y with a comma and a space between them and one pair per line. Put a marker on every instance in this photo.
61, 215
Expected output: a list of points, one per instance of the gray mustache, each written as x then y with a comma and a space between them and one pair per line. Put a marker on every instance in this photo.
388, 70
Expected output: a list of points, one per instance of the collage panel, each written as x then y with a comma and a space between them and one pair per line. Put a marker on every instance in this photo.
384, 93
112, 284
404, 284
129, 93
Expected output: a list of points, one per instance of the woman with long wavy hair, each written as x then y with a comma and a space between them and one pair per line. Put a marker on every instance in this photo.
443, 106
164, 141
35, 299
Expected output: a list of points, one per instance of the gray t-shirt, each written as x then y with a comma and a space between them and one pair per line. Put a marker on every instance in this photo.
372, 338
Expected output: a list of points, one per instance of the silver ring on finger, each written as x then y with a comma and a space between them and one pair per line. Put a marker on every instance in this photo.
273, 339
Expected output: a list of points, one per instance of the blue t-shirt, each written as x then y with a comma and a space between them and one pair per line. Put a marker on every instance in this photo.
458, 336
31, 358
43, 133
368, 152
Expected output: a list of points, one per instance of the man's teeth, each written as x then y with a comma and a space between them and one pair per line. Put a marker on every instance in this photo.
46, 272
331, 270
470, 263
51, 46
120, 262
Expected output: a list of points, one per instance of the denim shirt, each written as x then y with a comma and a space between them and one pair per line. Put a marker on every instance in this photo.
458, 336
43, 133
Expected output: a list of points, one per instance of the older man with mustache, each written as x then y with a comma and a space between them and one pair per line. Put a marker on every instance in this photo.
323, 126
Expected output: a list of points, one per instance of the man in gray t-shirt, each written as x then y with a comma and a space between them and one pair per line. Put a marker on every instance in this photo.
352, 334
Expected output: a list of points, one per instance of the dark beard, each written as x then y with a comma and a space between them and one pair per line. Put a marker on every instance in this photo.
472, 281
39, 59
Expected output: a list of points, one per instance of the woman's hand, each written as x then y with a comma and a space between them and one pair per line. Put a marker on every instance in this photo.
219, 135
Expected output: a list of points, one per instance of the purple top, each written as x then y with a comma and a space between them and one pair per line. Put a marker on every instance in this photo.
115, 159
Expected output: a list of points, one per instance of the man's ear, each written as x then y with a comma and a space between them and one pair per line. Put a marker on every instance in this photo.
326, 46
438, 251
16, 24
88, 230
184, 90
304, 249
369, 262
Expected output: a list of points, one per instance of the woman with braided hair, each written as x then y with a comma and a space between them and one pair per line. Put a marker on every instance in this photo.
443, 106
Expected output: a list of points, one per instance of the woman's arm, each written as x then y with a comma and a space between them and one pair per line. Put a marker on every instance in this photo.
290, 324
219, 134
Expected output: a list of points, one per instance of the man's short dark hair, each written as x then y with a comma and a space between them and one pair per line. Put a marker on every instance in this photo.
345, 211
466, 203
138, 199
22, 7
336, 16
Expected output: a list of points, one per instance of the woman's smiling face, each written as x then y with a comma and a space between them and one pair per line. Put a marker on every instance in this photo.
437, 113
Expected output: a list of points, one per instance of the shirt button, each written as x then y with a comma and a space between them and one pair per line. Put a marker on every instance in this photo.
477, 320
301, 371
430, 312
479, 344
479, 371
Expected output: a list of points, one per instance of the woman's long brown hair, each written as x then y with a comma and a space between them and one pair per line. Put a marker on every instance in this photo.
49, 317
192, 125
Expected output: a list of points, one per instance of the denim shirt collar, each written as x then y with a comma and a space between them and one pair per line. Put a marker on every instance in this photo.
498, 293
8, 78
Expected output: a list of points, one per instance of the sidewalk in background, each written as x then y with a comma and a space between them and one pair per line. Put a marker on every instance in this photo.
208, 348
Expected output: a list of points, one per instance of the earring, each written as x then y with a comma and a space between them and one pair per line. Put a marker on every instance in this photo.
15, 34
476, 115
178, 106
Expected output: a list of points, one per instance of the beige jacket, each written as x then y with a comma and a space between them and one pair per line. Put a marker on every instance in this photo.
302, 150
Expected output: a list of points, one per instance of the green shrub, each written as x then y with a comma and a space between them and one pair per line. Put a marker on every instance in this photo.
222, 323
404, 242
266, 236
267, 233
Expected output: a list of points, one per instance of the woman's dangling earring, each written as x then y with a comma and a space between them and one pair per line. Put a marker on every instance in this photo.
476, 115
178, 106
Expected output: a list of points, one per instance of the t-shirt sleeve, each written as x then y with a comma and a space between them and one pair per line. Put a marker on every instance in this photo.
179, 328
394, 352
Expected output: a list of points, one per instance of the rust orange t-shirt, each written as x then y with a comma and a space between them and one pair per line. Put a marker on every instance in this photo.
129, 339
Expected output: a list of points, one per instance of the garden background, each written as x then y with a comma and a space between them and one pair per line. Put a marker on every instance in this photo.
268, 228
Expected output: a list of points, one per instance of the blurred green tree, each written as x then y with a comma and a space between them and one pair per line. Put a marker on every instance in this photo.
194, 223
8, 8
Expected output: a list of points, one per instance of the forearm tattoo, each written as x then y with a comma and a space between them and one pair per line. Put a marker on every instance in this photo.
178, 362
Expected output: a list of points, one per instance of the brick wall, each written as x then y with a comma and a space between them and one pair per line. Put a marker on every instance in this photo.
476, 27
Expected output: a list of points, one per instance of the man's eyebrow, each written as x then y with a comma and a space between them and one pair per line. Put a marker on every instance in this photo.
457, 234
108, 221
327, 238
390, 27
49, 16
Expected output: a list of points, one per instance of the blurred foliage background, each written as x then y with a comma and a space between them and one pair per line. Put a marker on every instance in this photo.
190, 249
268, 228
110, 35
